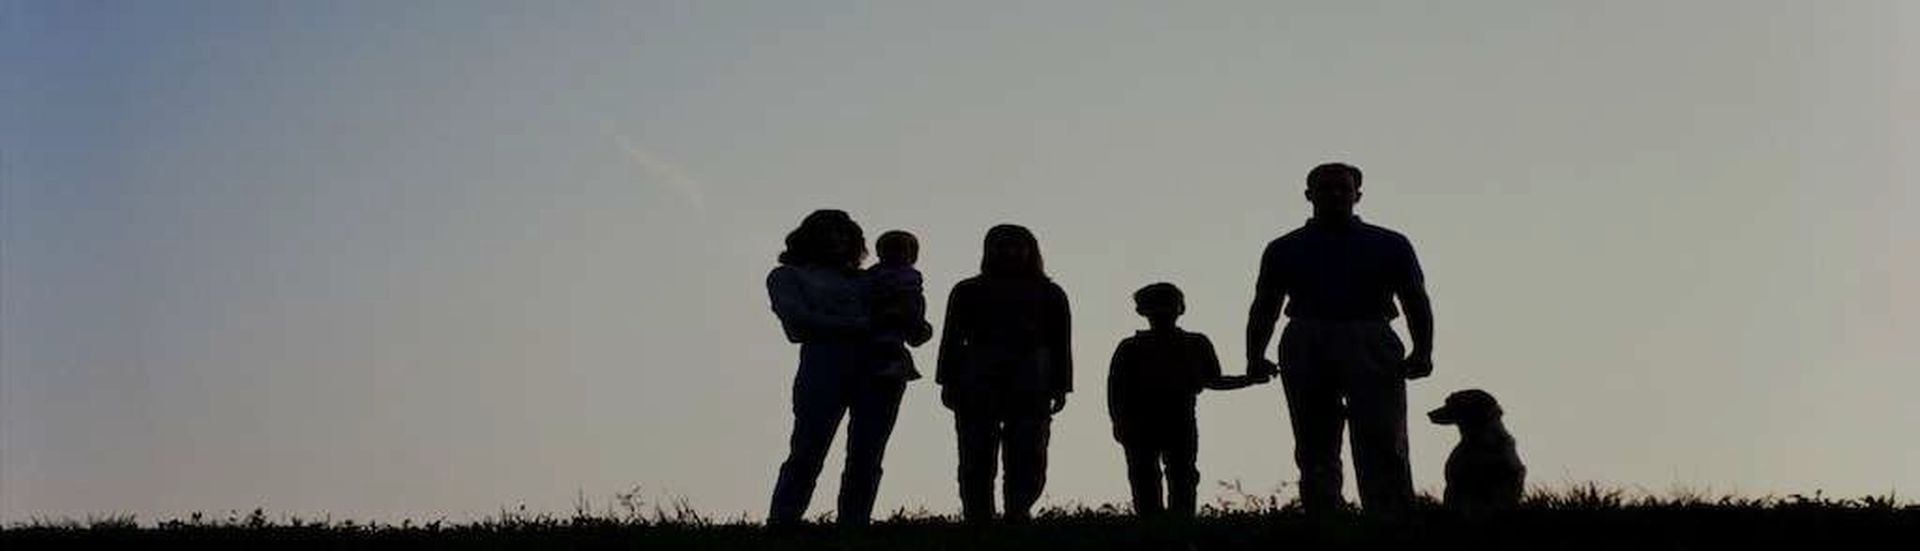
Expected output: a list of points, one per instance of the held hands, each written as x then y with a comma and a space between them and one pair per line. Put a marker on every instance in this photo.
1417, 365
1260, 370
1059, 402
1234, 382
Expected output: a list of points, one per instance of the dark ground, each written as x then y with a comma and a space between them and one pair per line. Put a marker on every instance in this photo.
1581, 519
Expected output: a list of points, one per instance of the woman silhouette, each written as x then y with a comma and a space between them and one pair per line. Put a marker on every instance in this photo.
1004, 369
819, 297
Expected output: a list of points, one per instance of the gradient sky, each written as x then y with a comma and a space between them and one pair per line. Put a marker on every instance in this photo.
423, 259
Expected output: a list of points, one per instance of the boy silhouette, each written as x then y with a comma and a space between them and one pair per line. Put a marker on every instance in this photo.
1156, 376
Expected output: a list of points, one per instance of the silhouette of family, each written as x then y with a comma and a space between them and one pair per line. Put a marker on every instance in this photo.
1005, 367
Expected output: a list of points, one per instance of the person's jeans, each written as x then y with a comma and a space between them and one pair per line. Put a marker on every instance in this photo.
833, 382
1350, 373
1019, 439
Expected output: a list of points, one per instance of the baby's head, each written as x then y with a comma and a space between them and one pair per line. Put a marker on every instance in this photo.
898, 248
1160, 301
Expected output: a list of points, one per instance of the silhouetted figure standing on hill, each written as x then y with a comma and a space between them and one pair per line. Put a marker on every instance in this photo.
1339, 360
1004, 369
819, 294
1156, 376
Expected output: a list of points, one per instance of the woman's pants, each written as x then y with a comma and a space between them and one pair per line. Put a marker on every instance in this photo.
1019, 439
834, 382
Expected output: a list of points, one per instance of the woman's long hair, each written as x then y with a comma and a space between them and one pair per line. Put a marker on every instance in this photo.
994, 261
812, 242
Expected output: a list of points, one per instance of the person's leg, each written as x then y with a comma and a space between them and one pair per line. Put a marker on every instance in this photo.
1314, 408
1026, 458
1143, 476
1377, 406
979, 446
817, 409
1380, 458
1183, 475
875, 406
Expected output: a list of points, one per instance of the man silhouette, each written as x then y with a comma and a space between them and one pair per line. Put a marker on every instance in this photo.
1339, 359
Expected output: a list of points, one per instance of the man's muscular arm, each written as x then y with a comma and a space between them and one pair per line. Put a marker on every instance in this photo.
1420, 326
1412, 290
1265, 312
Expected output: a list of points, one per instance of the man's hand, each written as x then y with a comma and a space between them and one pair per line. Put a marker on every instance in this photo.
920, 335
1418, 365
1261, 370
1058, 403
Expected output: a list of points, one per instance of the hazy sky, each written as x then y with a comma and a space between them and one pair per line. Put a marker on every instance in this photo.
383, 259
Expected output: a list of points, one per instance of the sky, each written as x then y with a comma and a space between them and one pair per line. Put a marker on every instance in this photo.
429, 259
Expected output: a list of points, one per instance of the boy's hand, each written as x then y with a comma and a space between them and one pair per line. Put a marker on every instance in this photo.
1240, 381
1261, 369
1233, 382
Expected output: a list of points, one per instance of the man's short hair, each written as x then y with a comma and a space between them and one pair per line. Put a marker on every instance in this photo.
1328, 171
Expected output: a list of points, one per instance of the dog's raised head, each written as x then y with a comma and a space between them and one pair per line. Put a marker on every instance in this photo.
1467, 407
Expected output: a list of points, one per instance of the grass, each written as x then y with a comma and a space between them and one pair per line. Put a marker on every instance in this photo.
1579, 517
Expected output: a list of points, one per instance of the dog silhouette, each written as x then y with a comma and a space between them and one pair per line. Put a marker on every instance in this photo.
1484, 472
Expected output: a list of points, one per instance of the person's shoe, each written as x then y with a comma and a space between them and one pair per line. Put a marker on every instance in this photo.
976, 519
784, 527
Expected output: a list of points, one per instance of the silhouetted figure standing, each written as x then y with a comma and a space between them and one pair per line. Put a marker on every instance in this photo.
897, 298
819, 295
1156, 376
1339, 360
1004, 369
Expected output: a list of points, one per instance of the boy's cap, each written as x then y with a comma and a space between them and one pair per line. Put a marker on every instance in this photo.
900, 236
1158, 294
